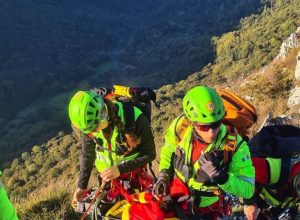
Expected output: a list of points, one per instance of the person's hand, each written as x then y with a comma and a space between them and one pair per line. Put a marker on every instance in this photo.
110, 174
251, 212
209, 164
161, 186
79, 195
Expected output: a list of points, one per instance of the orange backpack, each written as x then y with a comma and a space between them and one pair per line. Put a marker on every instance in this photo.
239, 112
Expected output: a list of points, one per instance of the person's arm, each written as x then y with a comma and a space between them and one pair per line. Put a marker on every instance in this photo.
251, 211
166, 169
7, 212
261, 167
168, 149
146, 147
241, 173
87, 159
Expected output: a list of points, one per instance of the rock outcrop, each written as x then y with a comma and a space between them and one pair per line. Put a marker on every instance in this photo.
288, 44
297, 69
294, 99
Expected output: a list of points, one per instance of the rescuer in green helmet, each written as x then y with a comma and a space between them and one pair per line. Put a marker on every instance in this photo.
201, 157
116, 148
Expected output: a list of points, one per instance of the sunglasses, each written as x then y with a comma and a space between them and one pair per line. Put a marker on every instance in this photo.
213, 126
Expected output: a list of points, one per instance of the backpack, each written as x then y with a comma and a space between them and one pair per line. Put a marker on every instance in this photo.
239, 112
277, 140
139, 97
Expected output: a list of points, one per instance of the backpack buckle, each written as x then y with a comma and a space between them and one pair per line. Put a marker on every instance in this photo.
230, 145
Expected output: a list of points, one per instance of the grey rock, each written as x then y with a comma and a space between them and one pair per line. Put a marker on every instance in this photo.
289, 43
294, 99
297, 69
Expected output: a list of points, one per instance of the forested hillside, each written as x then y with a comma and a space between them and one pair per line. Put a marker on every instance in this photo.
41, 180
51, 48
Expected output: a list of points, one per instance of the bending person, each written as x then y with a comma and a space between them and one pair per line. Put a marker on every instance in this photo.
105, 140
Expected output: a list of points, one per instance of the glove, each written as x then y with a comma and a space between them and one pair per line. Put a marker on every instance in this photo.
110, 174
209, 164
78, 197
161, 186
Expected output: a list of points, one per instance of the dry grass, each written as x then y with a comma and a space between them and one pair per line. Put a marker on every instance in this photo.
52, 202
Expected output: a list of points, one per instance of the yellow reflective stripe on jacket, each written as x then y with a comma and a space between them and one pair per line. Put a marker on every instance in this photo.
207, 201
131, 157
266, 196
275, 169
270, 200
180, 175
240, 166
186, 145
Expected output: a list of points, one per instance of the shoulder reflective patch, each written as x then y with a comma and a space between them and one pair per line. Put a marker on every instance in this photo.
245, 158
250, 180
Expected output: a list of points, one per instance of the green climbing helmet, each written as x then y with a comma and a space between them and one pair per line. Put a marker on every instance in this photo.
87, 111
203, 104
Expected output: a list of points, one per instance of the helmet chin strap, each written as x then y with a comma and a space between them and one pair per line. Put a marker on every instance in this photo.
197, 136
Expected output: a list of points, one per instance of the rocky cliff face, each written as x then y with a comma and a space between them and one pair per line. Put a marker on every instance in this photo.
290, 43
294, 99
297, 70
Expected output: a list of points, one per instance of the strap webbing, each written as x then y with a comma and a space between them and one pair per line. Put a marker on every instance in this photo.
128, 116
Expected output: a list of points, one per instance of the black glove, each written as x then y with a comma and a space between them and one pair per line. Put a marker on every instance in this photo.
162, 184
210, 164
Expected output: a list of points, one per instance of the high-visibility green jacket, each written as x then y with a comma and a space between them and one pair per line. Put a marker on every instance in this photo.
240, 170
7, 211
106, 158
270, 194
95, 148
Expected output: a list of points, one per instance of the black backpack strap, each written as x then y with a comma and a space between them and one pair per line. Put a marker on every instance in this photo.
128, 109
152, 172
